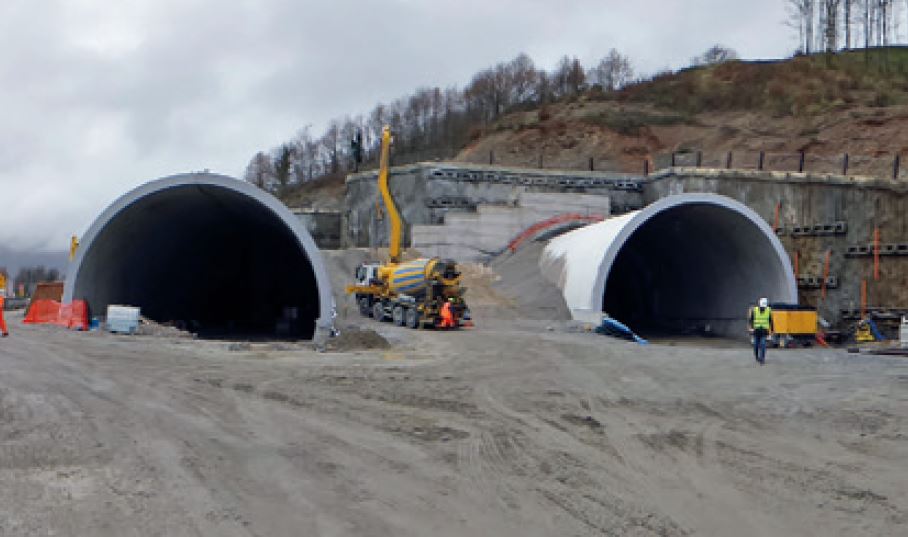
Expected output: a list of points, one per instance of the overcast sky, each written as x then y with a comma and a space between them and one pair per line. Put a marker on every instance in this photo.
99, 96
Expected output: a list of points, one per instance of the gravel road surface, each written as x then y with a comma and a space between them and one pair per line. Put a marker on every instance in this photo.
513, 428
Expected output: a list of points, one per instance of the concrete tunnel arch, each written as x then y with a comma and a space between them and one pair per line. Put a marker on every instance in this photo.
214, 252
685, 261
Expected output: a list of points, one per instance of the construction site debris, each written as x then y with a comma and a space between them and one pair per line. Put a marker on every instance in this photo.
353, 338
148, 327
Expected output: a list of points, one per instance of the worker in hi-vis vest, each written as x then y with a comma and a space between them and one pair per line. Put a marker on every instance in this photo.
447, 314
761, 327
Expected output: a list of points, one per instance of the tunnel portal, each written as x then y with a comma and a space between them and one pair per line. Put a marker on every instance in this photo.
208, 252
692, 268
686, 263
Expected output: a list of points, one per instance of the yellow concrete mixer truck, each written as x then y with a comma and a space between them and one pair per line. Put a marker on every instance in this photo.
422, 292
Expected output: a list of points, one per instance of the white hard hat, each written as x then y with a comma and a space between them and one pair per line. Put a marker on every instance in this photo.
764, 302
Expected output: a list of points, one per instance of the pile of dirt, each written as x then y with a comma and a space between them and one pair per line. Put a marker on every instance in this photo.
532, 295
479, 281
148, 327
353, 338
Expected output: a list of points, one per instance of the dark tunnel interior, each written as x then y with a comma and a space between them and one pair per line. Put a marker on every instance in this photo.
205, 257
693, 268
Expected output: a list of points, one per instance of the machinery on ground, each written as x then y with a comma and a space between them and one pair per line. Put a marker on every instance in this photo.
794, 325
412, 293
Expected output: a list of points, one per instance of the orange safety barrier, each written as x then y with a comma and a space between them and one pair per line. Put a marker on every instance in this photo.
73, 316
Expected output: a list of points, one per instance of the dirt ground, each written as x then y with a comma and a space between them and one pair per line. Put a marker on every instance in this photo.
512, 428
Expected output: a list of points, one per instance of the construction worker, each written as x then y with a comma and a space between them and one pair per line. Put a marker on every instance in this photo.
447, 314
761, 327
3, 330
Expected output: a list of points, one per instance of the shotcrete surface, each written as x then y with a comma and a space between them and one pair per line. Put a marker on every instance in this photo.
516, 427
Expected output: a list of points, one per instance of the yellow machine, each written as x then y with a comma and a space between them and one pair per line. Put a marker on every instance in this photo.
863, 333
793, 324
410, 293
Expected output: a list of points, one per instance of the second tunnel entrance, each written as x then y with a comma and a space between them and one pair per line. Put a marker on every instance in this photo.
686, 263
209, 253
692, 268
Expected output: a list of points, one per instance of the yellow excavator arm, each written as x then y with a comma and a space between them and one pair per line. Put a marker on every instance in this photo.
396, 233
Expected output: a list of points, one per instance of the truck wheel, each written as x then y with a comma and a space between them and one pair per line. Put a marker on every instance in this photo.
364, 308
378, 311
411, 317
397, 315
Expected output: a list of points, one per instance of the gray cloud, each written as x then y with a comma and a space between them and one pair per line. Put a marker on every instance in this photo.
98, 97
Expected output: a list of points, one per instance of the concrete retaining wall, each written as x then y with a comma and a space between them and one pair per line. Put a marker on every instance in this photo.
476, 236
427, 193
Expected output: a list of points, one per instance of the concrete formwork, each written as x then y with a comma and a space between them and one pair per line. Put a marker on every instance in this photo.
684, 262
208, 250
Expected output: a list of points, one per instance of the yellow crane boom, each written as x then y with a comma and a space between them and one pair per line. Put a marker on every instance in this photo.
395, 236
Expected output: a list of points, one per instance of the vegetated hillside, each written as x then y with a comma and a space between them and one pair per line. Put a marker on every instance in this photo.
854, 102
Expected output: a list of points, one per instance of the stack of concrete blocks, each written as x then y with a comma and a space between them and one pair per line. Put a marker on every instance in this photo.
477, 236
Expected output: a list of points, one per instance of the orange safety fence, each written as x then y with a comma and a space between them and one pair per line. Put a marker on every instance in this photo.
44, 311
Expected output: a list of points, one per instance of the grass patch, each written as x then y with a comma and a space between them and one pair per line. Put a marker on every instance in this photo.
801, 86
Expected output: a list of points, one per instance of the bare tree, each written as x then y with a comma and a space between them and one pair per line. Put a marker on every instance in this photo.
830, 16
613, 72
259, 172
545, 91
847, 22
569, 77
485, 94
884, 13
522, 80
283, 166
306, 153
330, 142
868, 22
802, 16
